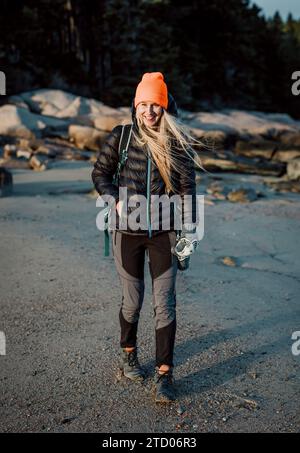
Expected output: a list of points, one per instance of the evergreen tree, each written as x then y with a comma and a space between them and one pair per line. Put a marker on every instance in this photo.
221, 53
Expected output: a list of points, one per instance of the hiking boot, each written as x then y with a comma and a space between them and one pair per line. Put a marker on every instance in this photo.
130, 366
164, 386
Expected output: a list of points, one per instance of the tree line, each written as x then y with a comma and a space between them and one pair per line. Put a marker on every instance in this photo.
216, 54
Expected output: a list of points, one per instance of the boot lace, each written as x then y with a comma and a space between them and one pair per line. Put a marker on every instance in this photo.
132, 358
165, 377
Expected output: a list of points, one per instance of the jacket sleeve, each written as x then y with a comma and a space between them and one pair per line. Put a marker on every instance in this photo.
106, 165
188, 187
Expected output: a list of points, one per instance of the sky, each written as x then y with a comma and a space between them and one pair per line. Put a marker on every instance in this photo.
283, 6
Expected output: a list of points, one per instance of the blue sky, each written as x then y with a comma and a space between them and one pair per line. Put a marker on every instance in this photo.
283, 6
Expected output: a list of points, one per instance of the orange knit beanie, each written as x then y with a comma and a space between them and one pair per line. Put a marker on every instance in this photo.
152, 88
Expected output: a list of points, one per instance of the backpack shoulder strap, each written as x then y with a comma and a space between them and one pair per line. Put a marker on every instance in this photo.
123, 150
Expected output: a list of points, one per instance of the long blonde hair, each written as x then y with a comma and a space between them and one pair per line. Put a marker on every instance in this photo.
165, 143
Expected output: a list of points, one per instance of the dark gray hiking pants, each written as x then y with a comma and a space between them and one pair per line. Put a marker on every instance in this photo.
129, 255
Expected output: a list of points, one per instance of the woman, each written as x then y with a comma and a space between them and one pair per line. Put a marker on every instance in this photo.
159, 162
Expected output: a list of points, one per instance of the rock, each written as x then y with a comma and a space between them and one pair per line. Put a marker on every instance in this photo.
9, 151
247, 404
242, 195
24, 153
256, 148
19, 122
227, 161
210, 138
222, 192
38, 162
107, 123
86, 137
290, 139
23, 143
293, 169
243, 402
263, 143
67, 420
64, 105
83, 155
181, 410
20, 163
65, 152
7, 140
35, 144
229, 261
93, 193
285, 156
60, 131
208, 202
240, 122
18, 102
49, 151
285, 186
45, 101
6, 182
75, 154
218, 190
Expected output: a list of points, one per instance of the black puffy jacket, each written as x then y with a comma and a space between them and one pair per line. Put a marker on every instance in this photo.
141, 176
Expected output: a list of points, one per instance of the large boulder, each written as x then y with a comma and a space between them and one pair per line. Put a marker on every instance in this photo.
108, 122
19, 122
240, 122
86, 137
64, 105
230, 140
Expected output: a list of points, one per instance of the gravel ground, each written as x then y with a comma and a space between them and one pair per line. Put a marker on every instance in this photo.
60, 298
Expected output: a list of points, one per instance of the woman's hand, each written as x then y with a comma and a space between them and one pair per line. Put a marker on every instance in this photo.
119, 207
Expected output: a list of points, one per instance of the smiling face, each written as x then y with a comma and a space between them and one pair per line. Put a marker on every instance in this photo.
149, 112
